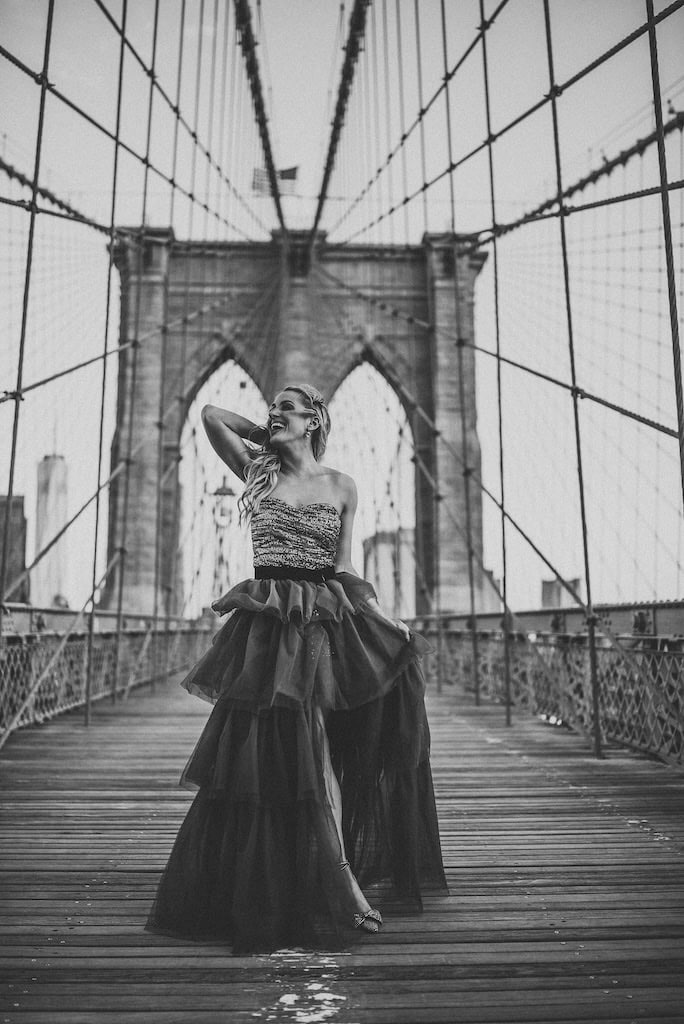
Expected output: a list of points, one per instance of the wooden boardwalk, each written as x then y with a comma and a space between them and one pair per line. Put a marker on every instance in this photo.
565, 873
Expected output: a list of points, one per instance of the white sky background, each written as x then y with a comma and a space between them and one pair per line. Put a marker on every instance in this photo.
617, 276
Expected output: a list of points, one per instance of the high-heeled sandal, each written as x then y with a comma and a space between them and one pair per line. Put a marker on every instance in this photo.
368, 922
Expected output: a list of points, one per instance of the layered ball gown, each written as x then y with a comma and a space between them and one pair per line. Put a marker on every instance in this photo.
314, 789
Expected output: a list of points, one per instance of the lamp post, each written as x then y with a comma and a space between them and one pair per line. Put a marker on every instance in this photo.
223, 518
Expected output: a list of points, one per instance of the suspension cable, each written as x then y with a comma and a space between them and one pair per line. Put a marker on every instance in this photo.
16, 582
424, 109
138, 157
668, 11
357, 28
466, 470
548, 208
25, 302
131, 373
402, 112
8, 396
499, 387
103, 357
398, 314
667, 232
161, 421
248, 43
179, 119
66, 211
591, 617
371, 353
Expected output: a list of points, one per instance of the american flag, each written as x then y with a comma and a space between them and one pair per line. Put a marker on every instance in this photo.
286, 179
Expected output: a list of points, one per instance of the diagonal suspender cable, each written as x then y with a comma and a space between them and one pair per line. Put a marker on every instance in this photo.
548, 207
419, 119
396, 313
607, 55
377, 359
43, 81
116, 472
591, 617
371, 353
667, 232
181, 121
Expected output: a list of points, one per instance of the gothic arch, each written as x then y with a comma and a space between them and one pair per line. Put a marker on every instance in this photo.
285, 312
228, 353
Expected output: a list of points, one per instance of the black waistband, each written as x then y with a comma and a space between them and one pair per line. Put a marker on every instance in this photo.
293, 572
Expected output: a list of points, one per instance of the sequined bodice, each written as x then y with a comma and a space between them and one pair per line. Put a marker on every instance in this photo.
284, 535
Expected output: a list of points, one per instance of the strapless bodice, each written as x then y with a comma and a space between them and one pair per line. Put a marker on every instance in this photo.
305, 537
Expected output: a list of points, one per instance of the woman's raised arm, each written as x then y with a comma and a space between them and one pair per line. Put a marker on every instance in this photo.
226, 431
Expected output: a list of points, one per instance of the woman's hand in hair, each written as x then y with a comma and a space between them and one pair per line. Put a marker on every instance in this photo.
226, 431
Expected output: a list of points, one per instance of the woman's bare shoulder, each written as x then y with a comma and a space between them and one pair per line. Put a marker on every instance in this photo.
342, 484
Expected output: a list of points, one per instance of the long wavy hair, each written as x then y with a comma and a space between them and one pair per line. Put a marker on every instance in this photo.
261, 474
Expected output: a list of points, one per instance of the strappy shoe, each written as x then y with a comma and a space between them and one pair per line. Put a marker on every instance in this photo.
368, 922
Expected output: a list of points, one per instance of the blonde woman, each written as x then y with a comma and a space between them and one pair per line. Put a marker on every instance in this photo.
313, 770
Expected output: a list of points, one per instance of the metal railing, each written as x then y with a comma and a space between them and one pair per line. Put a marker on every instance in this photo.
641, 682
138, 656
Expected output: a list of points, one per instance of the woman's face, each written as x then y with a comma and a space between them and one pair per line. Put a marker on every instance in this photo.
289, 416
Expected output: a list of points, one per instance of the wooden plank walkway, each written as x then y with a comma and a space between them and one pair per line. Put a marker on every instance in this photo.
566, 898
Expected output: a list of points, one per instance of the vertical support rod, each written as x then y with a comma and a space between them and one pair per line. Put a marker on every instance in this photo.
421, 101
159, 518
402, 116
460, 342
434, 596
484, 27
103, 387
667, 232
169, 596
43, 79
591, 617
180, 393
134, 361
436, 561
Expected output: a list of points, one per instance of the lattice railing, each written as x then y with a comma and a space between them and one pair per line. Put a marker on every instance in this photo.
641, 683
143, 655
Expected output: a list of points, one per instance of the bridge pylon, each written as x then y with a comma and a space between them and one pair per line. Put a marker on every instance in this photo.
288, 310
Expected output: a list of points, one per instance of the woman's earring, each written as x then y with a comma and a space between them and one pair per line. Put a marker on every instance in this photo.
307, 432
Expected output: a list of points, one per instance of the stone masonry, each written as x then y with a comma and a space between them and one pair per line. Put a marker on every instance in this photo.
285, 313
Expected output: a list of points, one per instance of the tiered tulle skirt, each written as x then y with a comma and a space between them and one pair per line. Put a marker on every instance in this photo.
308, 680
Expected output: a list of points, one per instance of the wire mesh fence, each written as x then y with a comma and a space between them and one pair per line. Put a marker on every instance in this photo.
45, 674
640, 684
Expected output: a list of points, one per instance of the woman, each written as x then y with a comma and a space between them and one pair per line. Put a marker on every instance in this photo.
313, 768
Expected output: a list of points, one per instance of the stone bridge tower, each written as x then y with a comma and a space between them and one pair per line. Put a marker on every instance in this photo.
305, 310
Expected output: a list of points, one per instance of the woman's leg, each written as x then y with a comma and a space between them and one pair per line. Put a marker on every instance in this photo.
353, 898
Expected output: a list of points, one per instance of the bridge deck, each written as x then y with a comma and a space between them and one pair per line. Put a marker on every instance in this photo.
565, 875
